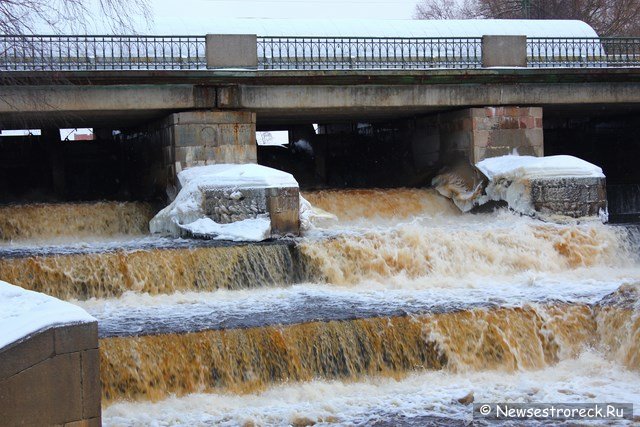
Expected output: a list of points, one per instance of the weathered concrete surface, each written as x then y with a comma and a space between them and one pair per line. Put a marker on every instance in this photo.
573, 197
52, 378
282, 204
122, 105
231, 50
504, 51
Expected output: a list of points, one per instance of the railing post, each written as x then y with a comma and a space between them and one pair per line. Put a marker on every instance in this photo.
504, 51
232, 50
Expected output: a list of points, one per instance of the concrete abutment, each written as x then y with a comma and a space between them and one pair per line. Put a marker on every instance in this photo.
52, 378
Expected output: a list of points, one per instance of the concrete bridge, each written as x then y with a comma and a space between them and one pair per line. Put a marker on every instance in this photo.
201, 98
124, 81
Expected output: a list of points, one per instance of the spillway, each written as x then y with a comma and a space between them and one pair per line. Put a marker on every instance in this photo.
390, 314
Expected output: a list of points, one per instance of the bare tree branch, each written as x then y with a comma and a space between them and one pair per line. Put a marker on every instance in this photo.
607, 17
22, 17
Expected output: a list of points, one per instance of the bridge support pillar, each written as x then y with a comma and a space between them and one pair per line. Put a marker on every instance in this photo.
199, 138
479, 133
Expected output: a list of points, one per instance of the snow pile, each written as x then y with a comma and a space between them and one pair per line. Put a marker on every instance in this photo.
186, 212
508, 178
24, 312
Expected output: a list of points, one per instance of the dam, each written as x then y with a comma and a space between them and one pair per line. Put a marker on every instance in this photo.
390, 307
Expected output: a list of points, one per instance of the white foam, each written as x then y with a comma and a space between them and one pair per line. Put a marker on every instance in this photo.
589, 378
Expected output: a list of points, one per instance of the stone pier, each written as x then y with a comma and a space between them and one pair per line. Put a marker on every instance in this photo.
199, 138
479, 133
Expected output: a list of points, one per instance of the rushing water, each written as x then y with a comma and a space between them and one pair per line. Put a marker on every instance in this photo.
388, 315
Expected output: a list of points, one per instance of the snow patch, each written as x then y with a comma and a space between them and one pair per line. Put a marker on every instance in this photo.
508, 179
24, 312
248, 230
514, 167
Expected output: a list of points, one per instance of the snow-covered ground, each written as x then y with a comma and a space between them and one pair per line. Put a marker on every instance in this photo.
23, 313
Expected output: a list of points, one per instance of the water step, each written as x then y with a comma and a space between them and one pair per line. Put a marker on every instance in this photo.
40, 221
150, 265
244, 360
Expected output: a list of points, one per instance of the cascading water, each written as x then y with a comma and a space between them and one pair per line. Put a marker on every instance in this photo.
66, 222
391, 314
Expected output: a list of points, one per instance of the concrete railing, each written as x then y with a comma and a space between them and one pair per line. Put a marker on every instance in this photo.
249, 51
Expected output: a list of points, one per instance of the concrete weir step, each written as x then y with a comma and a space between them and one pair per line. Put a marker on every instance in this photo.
180, 350
151, 265
243, 360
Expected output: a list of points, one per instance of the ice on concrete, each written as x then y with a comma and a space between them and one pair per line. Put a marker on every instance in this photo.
23, 313
508, 179
509, 176
187, 208
311, 216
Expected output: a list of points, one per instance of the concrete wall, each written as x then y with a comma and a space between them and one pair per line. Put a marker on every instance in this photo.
479, 133
52, 378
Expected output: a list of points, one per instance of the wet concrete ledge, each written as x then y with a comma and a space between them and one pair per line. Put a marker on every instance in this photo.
303, 309
142, 244
52, 378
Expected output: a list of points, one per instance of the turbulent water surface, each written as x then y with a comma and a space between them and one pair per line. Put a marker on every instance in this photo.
387, 315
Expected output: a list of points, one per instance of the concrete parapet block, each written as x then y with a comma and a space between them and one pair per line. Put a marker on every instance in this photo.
504, 51
232, 50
